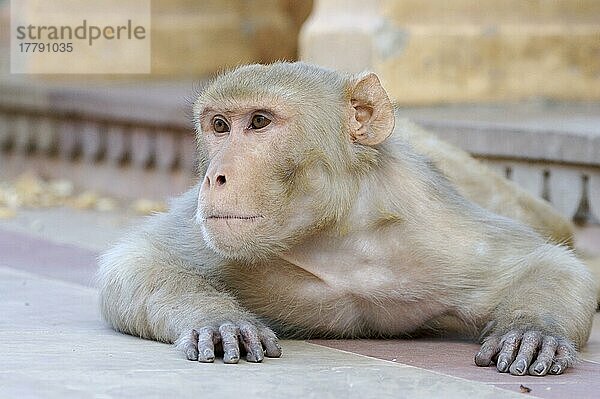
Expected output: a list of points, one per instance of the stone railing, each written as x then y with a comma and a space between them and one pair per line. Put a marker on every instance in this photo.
125, 142
138, 141
561, 166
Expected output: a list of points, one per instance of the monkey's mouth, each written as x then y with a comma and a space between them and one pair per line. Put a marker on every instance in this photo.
234, 217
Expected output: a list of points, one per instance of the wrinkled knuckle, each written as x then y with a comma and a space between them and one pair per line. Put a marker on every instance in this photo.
269, 335
564, 347
532, 333
243, 325
207, 330
248, 329
510, 346
511, 338
228, 328
529, 344
550, 340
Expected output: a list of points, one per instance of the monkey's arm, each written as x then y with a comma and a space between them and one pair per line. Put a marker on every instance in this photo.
540, 306
156, 284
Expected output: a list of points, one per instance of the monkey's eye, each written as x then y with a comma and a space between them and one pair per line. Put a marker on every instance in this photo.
219, 125
259, 121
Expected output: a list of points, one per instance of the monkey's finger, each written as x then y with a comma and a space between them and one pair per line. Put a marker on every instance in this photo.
562, 360
510, 344
206, 349
529, 345
489, 348
229, 340
270, 342
190, 346
249, 337
544, 358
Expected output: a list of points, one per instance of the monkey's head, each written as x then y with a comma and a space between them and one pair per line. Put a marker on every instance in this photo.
282, 150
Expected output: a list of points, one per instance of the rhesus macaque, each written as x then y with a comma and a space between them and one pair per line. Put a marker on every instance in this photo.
310, 221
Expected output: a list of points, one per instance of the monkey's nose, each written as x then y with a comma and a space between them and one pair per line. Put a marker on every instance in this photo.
220, 180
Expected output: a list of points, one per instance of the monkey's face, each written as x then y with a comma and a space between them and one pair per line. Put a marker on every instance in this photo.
279, 157
249, 203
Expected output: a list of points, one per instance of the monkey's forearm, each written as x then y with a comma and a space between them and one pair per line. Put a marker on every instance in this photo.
541, 315
159, 296
550, 290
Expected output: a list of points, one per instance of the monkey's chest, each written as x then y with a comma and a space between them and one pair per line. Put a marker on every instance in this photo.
370, 299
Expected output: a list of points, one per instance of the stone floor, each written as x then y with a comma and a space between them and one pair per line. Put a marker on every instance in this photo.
53, 343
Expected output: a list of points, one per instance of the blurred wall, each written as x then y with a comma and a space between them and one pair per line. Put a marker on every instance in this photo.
4, 37
426, 52
440, 51
191, 38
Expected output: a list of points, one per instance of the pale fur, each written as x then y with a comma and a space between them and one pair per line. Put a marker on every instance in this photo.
366, 242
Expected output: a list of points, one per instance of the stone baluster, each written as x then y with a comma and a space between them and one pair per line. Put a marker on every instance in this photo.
117, 144
565, 190
594, 194
23, 134
69, 138
6, 137
167, 150
94, 141
188, 156
142, 147
46, 135
529, 177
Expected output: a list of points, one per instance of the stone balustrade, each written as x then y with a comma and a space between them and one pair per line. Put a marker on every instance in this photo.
124, 142
563, 167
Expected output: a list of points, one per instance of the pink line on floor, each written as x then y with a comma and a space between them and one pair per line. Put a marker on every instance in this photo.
35, 255
455, 358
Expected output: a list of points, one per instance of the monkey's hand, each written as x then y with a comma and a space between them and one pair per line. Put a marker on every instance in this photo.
516, 350
257, 341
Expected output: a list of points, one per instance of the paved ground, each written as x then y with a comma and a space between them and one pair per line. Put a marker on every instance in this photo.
53, 343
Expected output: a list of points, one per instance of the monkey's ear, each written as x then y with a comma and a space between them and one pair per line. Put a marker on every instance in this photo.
372, 114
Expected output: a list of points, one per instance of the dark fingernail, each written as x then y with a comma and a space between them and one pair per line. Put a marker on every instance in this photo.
481, 362
502, 365
253, 358
539, 368
192, 355
555, 370
520, 367
231, 359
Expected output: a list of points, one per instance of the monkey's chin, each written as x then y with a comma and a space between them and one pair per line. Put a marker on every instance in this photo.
237, 239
